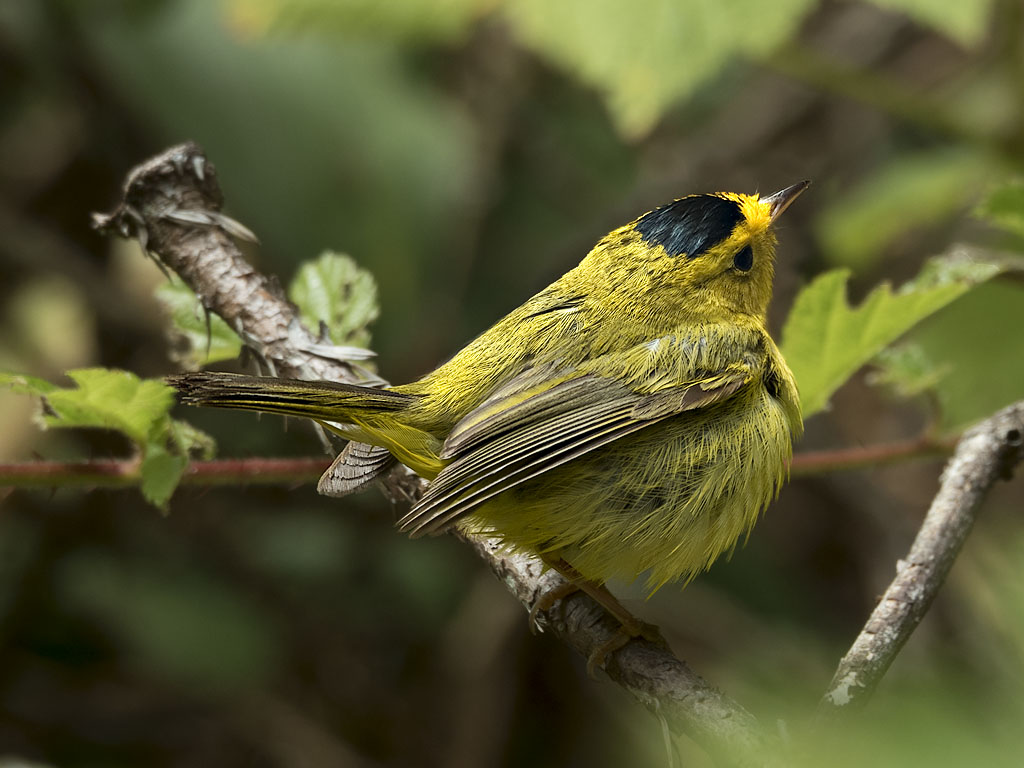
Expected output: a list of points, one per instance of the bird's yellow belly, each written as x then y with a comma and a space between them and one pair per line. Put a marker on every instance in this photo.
667, 500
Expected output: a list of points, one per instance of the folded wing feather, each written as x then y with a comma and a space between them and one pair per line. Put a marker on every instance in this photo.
531, 425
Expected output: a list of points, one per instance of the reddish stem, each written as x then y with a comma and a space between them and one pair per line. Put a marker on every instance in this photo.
820, 462
120, 473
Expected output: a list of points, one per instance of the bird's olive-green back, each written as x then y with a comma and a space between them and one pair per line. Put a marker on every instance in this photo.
696, 268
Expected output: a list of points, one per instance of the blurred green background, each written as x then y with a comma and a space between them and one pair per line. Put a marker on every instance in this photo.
466, 152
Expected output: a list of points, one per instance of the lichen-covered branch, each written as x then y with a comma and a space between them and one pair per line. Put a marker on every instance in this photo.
649, 672
984, 454
172, 205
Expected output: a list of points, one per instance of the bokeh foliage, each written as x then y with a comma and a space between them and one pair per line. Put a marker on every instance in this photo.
464, 152
643, 56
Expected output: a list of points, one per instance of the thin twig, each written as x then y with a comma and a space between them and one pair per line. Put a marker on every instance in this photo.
984, 454
196, 246
124, 473
820, 462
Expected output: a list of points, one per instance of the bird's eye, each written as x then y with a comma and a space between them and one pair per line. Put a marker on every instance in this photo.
744, 259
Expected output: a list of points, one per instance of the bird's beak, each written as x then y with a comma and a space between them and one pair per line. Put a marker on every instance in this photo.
781, 200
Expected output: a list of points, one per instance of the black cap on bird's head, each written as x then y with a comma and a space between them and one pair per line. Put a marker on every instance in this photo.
691, 225
720, 251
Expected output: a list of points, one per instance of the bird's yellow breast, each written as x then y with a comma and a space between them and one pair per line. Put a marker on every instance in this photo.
667, 500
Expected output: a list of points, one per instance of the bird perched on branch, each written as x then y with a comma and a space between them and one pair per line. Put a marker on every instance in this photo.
634, 417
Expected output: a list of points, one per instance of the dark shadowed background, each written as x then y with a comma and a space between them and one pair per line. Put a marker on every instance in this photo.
466, 153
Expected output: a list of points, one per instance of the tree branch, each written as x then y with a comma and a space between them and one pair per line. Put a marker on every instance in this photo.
984, 454
171, 204
650, 673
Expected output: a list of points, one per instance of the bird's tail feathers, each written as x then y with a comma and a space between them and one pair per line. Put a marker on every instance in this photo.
321, 400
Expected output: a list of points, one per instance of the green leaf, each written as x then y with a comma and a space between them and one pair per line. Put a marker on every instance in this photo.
192, 440
825, 341
908, 370
964, 22
907, 193
110, 400
202, 338
121, 401
337, 291
103, 398
645, 55
409, 19
1004, 207
26, 385
161, 471
978, 339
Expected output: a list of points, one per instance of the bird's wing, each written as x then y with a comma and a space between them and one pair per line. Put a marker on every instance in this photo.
542, 419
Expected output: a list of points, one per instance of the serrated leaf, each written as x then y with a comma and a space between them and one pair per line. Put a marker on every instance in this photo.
1004, 207
825, 340
204, 338
645, 55
103, 398
964, 22
335, 290
121, 401
26, 385
110, 400
905, 194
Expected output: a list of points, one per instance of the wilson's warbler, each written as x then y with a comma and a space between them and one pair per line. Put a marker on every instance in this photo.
633, 417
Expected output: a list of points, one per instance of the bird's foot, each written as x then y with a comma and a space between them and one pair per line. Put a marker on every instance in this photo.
629, 626
626, 632
546, 601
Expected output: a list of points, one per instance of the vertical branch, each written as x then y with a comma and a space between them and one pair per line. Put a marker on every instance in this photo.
984, 454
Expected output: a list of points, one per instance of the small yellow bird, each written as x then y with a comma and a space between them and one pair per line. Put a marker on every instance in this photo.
633, 417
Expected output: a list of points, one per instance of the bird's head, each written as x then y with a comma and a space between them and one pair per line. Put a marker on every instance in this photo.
710, 257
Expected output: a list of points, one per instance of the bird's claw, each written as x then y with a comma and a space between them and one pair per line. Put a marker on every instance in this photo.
627, 632
546, 601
